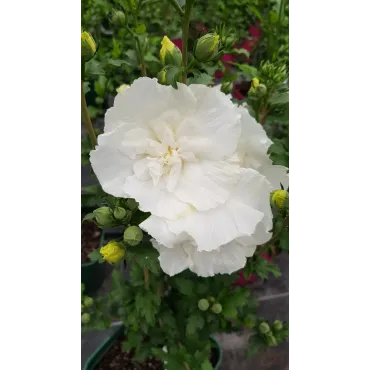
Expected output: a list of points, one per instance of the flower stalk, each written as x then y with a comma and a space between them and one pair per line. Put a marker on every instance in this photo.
185, 37
86, 118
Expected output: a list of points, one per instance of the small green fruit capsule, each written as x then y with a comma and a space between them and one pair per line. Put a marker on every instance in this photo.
216, 308
88, 47
118, 18
212, 299
203, 304
88, 302
132, 204
206, 47
277, 325
264, 328
227, 87
103, 216
261, 90
85, 318
133, 235
119, 213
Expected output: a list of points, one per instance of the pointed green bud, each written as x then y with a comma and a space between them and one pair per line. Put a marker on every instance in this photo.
89, 302
85, 318
88, 47
277, 325
162, 79
131, 204
264, 328
227, 87
271, 341
206, 47
103, 216
133, 235
216, 308
203, 304
119, 213
212, 299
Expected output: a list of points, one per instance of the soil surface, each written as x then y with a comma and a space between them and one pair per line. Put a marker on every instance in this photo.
90, 238
115, 359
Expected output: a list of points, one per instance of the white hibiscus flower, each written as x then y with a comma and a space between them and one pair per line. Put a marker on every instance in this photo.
193, 159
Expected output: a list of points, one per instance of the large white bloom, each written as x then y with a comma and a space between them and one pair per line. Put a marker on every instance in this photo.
199, 164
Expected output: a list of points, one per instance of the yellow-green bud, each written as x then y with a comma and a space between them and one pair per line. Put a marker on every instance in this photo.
216, 308
88, 47
261, 90
122, 88
277, 325
112, 252
119, 213
264, 328
133, 235
89, 302
255, 82
132, 204
279, 197
170, 54
227, 87
85, 318
203, 304
118, 18
206, 47
103, 216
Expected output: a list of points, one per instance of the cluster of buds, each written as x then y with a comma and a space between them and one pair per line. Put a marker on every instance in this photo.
88, 47
204, 304
257, 88
87, 303
271, 333
275, 73
227, 38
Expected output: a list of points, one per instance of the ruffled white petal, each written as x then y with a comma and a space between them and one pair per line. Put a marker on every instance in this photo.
276, 175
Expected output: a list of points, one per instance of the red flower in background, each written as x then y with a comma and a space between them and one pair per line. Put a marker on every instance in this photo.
178, 43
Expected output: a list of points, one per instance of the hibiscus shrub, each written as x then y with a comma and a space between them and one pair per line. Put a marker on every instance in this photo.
201, 193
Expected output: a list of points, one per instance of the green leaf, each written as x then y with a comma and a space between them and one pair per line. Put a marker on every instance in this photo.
116, 62
195, 322
279, 99
183, 285
229, 311
86, 87
241, 51
91, 189
159, 354
96, 256
248, 71
255, 345
139, 217
89, 217
262, 268
93, 69
238, 298
201, 79
140, 29
206, 365
276, 148
284, 240
151, 58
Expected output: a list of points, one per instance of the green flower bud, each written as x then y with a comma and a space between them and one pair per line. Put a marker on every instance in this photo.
103, 216
206, 47
264, 328
212, 299
271, 341
250, 322
88, 47
133, 235
277, 325
88, 302
227, 87
118, 18
162, 79
216, 308
279, 197
85, 318
261, 90
82, 307
119, 213
132, 204
170, 54
203, 304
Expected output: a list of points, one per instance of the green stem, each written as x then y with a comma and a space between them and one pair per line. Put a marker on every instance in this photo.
141, 57
86, 118
185, 37
176, 5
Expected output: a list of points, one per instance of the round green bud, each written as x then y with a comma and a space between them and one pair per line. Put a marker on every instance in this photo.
132, 204
216, 308
277, 325
88, 302
261, 90
203, 304
88, 47
119, 213
118, 18
212, 299
264, 328
271, 341
162, 76
279, 197
103, 216
206, 47
85, 318
227, 87
82, 307
133, 235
